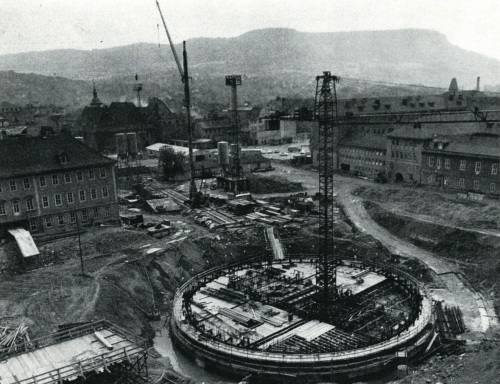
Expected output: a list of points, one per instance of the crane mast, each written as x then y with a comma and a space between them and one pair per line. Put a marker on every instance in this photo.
325, 109
187, 97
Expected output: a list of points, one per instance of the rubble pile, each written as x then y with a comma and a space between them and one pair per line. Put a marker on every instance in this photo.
10, 338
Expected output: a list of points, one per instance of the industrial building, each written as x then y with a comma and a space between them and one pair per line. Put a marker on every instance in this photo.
389, 135
49, 185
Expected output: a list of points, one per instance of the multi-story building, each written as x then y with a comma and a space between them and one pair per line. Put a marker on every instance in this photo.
49, 185
408, 125
466, 163
363, 152
99, 124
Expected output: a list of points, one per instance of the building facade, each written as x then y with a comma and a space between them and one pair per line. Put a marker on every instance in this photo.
467, 163
50, 185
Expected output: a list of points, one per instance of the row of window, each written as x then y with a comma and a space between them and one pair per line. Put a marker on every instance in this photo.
404, 155
63, 218
55, 179
70, 198
365, 161
363, 151
463, 164
461, 183
404, 143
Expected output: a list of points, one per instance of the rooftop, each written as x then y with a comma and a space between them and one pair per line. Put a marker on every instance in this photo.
32, 155
475, 144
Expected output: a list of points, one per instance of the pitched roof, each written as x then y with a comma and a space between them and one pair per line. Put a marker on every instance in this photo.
28, 155
474, 145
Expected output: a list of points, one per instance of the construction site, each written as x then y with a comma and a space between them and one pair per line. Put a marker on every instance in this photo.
299, 272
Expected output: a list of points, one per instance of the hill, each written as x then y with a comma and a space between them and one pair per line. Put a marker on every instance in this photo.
274, 62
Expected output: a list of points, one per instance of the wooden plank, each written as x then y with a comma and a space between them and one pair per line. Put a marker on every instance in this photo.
103, 340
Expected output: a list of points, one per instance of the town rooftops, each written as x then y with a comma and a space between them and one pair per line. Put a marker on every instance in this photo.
32, 155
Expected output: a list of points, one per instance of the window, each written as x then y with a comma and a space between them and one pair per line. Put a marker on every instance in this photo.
476, 184
45, 201
26, 183
85, 216
64, 159
91, 174
494, 169
96, 213
492, 187
29, 204
447, 163
82, 195
79, 176
15, 207
461, 183
107, 211
445, 180
72, 217
67, 177
60, 219
478, 167
438, 162
13, 186
42, 181
462, 165
57, 199
431, 161
102, 172
2, 208
0, 188
69, 197
55, 179
104, 191
33, 225
48, 221
93, 193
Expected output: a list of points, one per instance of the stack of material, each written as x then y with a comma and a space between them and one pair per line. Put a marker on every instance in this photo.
10, 337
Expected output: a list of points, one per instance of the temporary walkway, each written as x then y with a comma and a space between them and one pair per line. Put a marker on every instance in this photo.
275, 244
71, 354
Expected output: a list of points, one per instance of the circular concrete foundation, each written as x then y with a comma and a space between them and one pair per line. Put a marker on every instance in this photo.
265, 318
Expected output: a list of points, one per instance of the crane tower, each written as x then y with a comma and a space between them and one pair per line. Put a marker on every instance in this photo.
325, 109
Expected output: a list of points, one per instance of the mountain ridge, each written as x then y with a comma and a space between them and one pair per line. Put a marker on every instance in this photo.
273, 61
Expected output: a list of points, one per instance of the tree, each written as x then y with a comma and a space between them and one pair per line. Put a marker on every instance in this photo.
171, 162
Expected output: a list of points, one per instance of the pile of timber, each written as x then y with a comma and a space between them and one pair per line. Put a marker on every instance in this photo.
12, 337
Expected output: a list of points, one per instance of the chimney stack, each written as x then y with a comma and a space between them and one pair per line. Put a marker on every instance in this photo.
478, 88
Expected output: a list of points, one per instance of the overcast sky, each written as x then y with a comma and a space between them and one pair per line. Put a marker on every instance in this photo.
27, 25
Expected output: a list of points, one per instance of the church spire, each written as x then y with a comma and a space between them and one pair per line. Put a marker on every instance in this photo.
95, 100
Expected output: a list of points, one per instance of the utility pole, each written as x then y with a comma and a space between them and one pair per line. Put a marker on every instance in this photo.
325, 109
79, 241
233, 81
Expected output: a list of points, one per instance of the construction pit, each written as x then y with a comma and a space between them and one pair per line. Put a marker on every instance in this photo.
265, 318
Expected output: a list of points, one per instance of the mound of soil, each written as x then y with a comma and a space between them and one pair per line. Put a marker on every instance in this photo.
261, 184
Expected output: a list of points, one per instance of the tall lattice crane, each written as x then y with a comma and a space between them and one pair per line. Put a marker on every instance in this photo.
325, 110
187, 95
